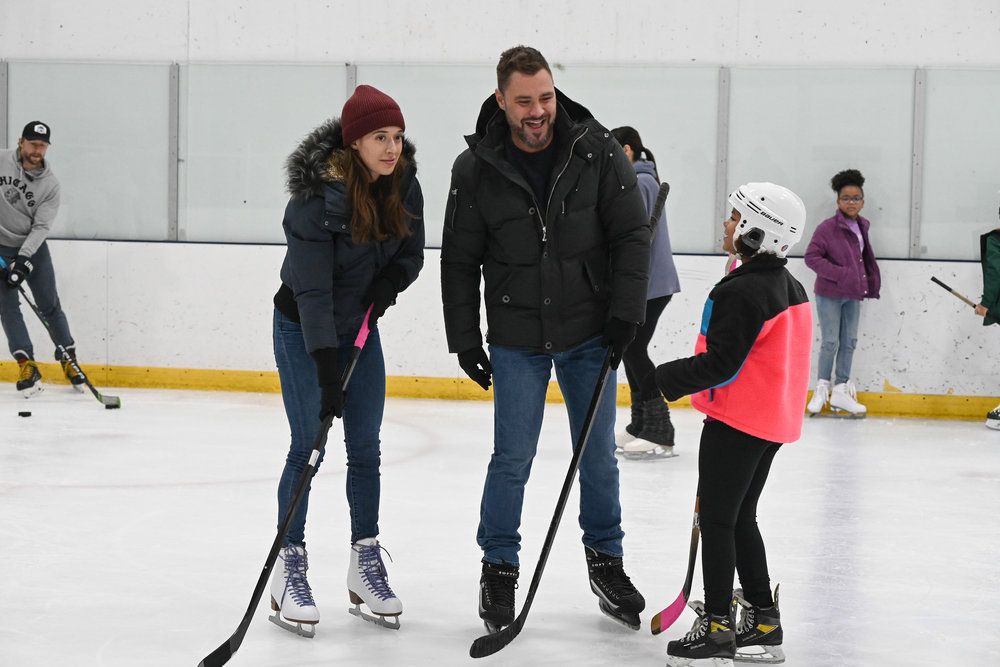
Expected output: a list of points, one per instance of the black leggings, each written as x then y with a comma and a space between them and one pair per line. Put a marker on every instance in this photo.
638, 366
732, 469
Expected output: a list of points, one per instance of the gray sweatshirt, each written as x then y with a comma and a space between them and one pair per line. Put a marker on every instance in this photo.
28, 205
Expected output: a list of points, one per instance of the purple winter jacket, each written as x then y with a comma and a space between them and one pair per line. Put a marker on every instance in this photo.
843, 271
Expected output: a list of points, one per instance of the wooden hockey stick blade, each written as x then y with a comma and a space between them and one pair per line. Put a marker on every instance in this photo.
957, 295
671, 613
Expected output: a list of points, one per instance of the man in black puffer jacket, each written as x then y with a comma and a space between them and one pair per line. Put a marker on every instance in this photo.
544, 204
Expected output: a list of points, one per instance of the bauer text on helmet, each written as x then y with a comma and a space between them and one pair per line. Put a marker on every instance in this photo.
772, 217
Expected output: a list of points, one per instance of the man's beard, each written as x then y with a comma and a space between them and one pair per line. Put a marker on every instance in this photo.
527, 139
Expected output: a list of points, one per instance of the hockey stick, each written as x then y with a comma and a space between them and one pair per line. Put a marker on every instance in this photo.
672, 612
110, 402
956, 294
490, 644
222, 655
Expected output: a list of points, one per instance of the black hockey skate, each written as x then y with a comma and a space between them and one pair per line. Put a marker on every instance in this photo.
496, 595
758, 633
711, 641
617, 597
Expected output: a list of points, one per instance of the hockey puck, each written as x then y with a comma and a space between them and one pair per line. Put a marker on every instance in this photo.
24, 413
111, 407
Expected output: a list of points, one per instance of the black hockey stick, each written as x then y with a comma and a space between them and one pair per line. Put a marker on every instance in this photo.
222, 655
672, 612
110, 402
956, 294
490, 644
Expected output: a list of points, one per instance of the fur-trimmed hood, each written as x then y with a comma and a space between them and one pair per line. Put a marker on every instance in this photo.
319, 159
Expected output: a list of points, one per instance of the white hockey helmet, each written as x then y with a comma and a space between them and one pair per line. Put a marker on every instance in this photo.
772, 217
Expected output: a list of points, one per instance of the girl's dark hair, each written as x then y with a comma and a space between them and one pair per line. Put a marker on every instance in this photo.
629, 135
377, 211
845, 178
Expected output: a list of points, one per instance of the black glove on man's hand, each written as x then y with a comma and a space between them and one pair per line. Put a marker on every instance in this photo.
477, 366
332, 392
18, 270
383, 291
617, 335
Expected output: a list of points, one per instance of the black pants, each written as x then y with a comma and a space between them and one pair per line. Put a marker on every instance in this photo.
732, 469
638, 366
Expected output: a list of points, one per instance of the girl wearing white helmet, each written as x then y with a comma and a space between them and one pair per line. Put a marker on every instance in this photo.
750, 376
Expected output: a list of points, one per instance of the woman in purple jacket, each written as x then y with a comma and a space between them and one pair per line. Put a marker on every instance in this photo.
846, 273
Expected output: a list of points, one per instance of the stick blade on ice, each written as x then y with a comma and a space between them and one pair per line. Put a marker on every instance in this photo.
666, 618
492, 643
218, 657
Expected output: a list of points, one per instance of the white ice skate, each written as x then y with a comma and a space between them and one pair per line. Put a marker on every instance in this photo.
844, 401
640, 449
291, 597
368, 583
993, 419
820, 397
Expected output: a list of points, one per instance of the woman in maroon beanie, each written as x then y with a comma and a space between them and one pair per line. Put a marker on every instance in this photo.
355, 233
846, 273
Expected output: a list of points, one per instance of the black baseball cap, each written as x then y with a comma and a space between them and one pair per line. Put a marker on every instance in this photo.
36, 130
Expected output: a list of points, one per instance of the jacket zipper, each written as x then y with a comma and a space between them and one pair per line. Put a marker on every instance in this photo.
552, 191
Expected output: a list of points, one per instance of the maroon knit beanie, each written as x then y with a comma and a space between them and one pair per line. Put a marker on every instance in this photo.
367, 110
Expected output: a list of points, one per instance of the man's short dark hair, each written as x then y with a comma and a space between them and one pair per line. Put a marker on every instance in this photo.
523, 59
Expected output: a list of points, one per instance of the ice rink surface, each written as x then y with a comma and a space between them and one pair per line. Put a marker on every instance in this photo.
134, 537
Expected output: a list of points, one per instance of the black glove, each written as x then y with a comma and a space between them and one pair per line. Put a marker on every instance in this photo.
383, 291
477, 366
617, 335
332, 392
18, 270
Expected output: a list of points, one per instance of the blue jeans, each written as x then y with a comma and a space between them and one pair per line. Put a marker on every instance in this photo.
838, 327
42, 281
520, 378
363, 406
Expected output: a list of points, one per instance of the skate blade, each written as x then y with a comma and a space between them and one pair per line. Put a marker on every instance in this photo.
762, 655
674, 661
382, 621
630, 621
80, 388
993, 424
32, 391
307, 630
844, 414
657, 454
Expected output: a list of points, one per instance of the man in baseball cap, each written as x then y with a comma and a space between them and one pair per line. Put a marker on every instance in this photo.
29, 202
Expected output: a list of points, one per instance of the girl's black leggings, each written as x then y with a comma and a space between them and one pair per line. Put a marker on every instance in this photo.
732, 469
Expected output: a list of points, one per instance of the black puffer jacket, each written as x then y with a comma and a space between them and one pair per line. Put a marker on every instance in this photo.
325, 274
553, 276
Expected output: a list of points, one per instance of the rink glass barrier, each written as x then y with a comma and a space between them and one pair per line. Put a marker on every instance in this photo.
195, 152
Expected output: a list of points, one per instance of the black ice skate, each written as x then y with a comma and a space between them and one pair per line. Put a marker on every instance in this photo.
655, 439
711, 641
758, 633
72, 371
618, 598
29, 380
496, 595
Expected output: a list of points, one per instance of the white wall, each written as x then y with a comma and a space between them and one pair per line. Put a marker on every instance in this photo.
732, 32
182, 305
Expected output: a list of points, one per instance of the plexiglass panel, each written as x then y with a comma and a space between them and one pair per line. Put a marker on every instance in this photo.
798, 127
109, 150
674, 111
961, 186
238, 124
440, 104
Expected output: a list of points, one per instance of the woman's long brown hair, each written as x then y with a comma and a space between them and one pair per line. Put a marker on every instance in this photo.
377, 211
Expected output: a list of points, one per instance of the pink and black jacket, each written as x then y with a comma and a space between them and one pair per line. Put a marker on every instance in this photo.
751, 364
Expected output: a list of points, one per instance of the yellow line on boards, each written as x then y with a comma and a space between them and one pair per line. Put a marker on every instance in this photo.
883, 404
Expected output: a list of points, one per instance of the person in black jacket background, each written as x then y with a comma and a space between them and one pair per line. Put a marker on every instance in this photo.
544, 205
354, 227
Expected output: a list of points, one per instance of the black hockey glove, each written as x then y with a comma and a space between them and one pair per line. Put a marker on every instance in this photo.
383, 291
477, 366
332, 393
617, 335
18, 270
